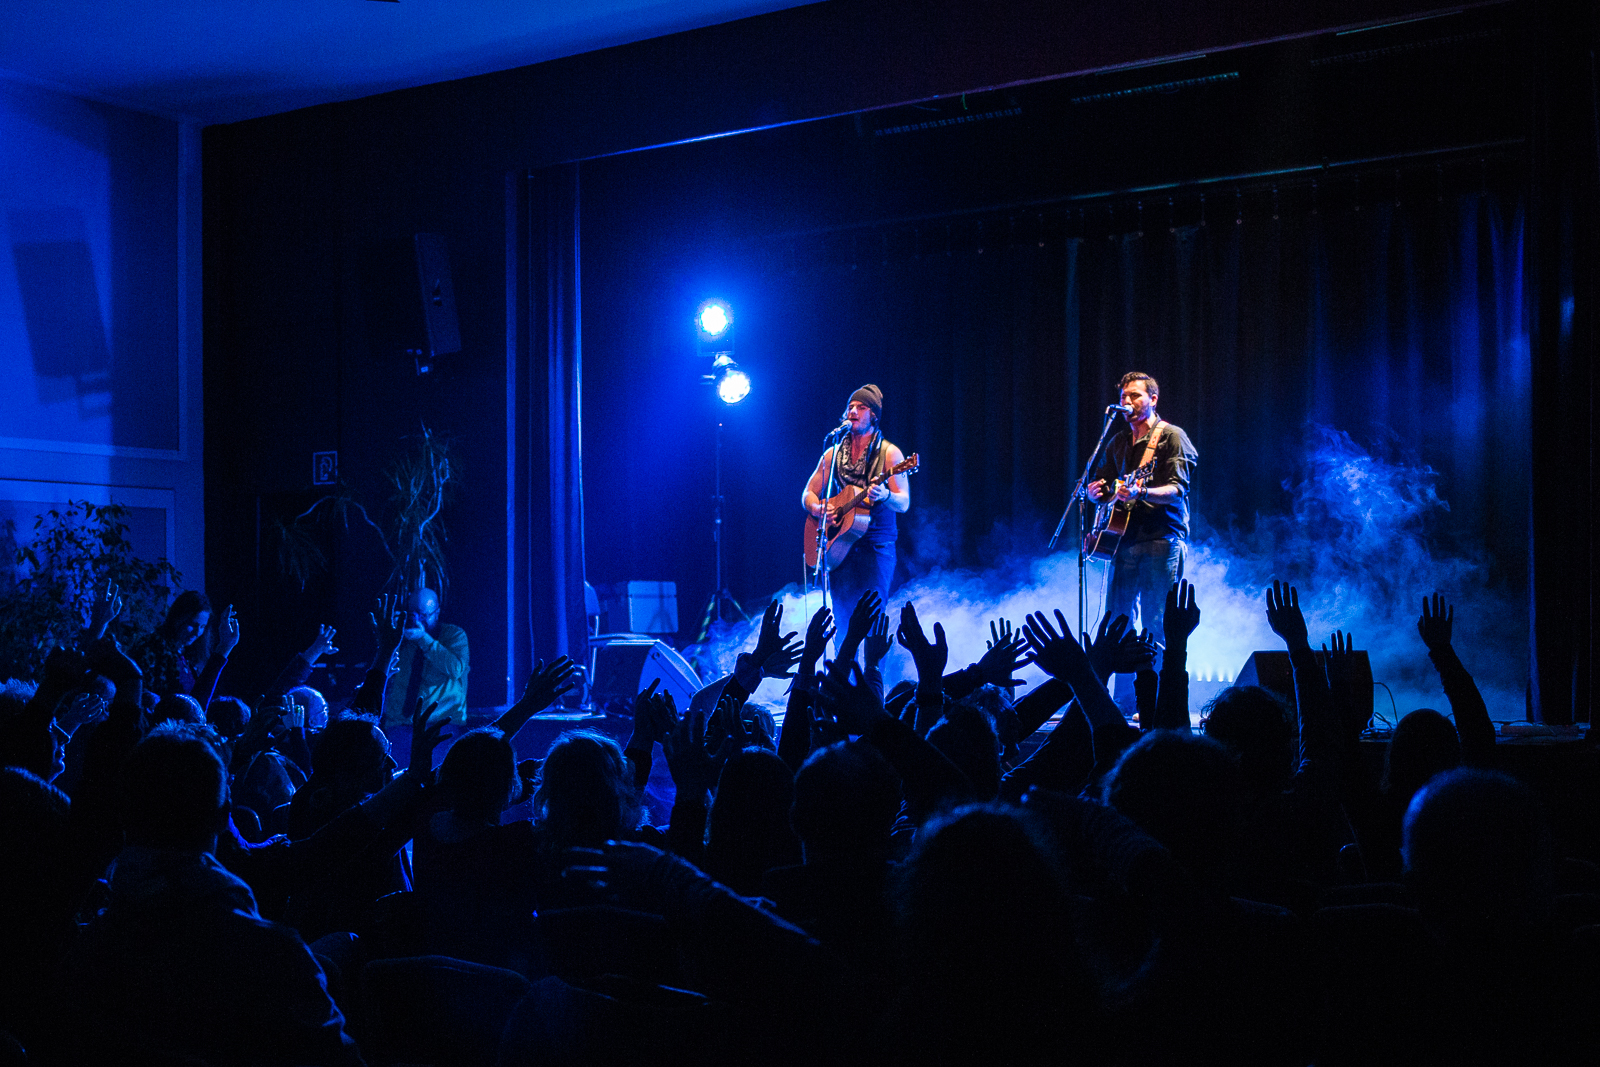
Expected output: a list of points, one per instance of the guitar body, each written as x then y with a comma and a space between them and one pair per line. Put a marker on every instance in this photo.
823, 553
1110, 523
840, 535
1111, 520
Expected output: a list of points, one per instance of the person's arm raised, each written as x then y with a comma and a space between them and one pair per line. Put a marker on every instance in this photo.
1436, 626
1181, 617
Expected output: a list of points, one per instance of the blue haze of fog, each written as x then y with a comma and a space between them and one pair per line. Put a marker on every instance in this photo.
1357, 544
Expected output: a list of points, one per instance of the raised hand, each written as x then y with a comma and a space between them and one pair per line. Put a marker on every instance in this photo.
427, 730
818, 632
861, 618
878, 642
930, 657
322, 645
1134, 653
691, 766
227, 633
1283, 615
1182, 615
1053, 651
548, 683
644, 718
104, 609
1007, 653
1106, 650
388, 631
781, 664
853, 703
771, 638
1436, 623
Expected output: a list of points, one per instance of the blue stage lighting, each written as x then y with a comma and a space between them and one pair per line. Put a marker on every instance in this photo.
733, 384
713, 319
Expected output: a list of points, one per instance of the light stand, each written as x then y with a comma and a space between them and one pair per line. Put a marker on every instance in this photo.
714, 609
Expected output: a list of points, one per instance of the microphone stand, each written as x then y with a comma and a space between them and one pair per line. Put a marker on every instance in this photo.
1076, 500
831, 439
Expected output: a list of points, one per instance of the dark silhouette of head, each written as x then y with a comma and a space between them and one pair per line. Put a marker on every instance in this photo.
967, 738
585, 794
1255, 725
748, 830
1424, 743
29, 736
176, 791
479, 774
228, 716
846, 798
179, 707
1185, 792
351, 758
982, 904
1478, 859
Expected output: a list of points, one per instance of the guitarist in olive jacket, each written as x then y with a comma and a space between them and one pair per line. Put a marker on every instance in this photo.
861, 454
1149, 558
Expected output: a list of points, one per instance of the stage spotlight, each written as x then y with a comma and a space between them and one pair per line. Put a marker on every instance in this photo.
733, 384
713, 319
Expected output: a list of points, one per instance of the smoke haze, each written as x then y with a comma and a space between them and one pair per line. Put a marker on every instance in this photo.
1361, 543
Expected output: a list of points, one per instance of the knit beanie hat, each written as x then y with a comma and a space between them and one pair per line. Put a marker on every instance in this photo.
871, 396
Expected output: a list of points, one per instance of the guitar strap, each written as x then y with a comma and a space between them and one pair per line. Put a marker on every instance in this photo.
1150, 443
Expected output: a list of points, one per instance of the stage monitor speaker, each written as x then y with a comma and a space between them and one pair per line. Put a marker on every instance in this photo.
620, 665
1271, 670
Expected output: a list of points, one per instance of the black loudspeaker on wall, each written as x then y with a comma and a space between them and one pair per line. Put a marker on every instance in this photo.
1271, 670
438, 295
411, 300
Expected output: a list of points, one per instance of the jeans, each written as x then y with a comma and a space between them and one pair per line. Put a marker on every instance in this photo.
1143, 571
868, 565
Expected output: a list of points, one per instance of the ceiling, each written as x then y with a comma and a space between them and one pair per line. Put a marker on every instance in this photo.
214, 61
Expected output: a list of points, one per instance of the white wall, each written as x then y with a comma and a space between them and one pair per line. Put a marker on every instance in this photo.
100, 317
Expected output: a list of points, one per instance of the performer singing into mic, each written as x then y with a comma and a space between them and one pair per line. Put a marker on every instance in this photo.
861, 453
1149, 558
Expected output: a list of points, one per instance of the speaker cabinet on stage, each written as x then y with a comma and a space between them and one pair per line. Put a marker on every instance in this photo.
1271, 670
620, 665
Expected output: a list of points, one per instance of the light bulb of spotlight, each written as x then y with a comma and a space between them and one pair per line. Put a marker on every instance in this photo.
713, 319
733, 386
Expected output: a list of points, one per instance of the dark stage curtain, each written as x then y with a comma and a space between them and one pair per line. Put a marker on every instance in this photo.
550, 376
1395, 318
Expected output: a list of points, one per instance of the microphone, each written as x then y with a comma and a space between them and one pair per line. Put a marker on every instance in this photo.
842, 428
1122, 409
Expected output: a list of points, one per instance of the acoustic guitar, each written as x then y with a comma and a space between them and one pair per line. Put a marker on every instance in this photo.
854, 511
1111, 520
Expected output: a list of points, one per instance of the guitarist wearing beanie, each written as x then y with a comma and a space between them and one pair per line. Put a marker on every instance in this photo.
863, 457
1143, 481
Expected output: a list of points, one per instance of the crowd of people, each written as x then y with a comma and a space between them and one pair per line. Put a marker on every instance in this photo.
911, 876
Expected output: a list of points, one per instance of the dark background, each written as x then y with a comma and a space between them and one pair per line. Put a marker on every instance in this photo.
940, 261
